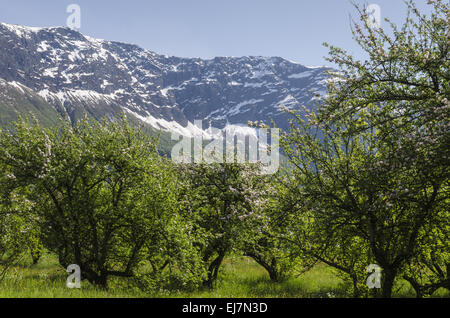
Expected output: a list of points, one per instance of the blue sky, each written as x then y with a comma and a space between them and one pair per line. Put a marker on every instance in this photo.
293, 29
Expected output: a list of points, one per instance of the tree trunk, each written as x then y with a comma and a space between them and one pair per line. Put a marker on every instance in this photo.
387, 282
103, 281
274, 275
272, 269
213, 270
100, 280
95, 278
36, 257
415, 285
356, 291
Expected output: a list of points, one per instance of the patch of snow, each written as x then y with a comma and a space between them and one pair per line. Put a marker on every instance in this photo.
43, 46
21, 31
237, 108
255, 85
80, 95
165, 90
75, 55
171, 126
301, 75
88, 95
289, 102
51, 72
105, 83
18, 86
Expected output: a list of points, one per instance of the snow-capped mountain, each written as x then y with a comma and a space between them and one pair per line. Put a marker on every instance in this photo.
75, 73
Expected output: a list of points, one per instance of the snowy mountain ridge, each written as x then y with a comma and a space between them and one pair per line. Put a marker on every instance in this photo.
76, 74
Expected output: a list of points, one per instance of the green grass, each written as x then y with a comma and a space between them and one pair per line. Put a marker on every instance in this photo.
240, 277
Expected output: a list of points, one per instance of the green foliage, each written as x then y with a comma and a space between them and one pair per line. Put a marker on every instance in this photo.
224, 199
430, 267
17, 228
371, 167
267, 244
107, 199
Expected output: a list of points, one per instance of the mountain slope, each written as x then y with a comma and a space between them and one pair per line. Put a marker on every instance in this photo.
76, 74
16, 99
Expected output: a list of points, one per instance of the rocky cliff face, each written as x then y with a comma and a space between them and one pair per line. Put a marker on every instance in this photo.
75, 74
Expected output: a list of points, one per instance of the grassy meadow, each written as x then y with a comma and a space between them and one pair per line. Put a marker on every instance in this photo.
241, 277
